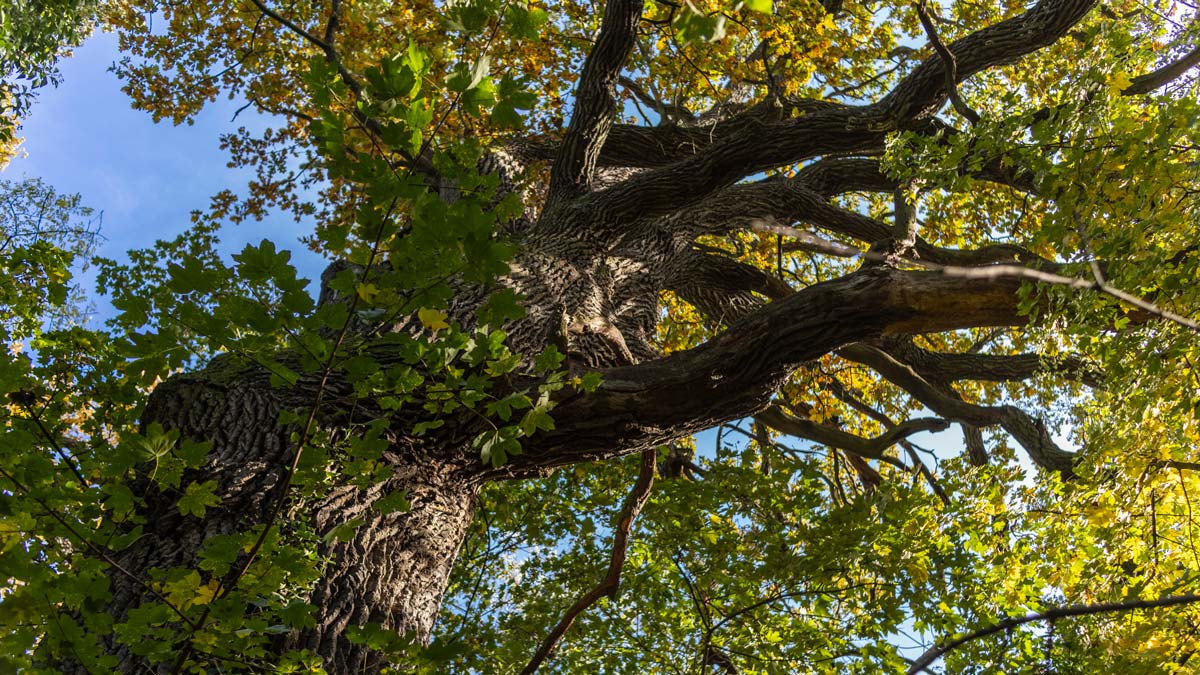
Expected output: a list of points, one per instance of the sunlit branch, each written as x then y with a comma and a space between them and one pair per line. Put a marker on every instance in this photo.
611, 582
922, 663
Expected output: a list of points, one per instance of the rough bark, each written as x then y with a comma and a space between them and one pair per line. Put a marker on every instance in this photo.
392, 572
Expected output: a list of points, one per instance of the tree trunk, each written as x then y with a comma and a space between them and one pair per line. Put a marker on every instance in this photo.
394, 569
391, 569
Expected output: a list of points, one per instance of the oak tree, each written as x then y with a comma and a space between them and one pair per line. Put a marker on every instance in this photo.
563, 240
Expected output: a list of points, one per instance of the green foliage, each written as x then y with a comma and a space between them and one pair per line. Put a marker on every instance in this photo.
42, 234
771, 556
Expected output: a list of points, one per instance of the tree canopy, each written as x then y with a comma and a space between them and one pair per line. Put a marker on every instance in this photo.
637, 320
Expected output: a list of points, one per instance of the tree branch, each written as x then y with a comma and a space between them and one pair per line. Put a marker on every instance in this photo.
931, 655
1028, 431
991, 367
720, 287
762, 146
871, 448
1144, 84
595, 106
948, 63
611, 582
735, 374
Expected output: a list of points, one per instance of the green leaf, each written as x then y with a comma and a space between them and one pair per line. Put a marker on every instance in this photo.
197, 497
396, 502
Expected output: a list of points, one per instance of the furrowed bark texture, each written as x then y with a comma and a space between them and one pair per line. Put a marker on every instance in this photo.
392, 571
619, 224
394, 568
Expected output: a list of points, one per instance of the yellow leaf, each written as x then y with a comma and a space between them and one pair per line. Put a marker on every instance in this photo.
1119, 82
206, 593
367, 291
432, 319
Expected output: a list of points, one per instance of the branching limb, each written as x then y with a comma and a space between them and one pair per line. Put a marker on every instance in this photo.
1028, 431
872, 448
762, 146
720, 287
991, 367
735, 374
983, 263
611, 582
1096, 284
843, 394
948, 63
922, 663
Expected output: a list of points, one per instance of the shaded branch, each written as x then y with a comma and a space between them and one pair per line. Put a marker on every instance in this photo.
1144, 84
845, 395
1028, 431
734, 375
762, 146
611, 582
950, 367
931, 655
872, 448
949, 64
721, 288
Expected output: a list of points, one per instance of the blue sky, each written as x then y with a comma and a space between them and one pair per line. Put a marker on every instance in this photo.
83, 137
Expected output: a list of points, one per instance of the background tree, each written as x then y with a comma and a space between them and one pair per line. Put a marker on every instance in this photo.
34, 34
841, 223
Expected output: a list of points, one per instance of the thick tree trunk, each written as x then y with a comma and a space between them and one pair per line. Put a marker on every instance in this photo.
391, 570
394, 569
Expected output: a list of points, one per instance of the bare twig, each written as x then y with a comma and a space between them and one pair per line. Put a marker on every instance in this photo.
611, 581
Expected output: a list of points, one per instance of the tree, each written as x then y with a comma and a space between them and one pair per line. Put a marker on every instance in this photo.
43, 234
33, 36
429, 438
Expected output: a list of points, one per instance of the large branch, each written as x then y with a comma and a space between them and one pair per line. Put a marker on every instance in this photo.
735, 374
636, 146
772, 205
720, 287
1144, 84
764, 146
950, 367
595, 106
924, 90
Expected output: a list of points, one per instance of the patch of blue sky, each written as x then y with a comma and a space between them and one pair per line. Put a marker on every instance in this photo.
145, 177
